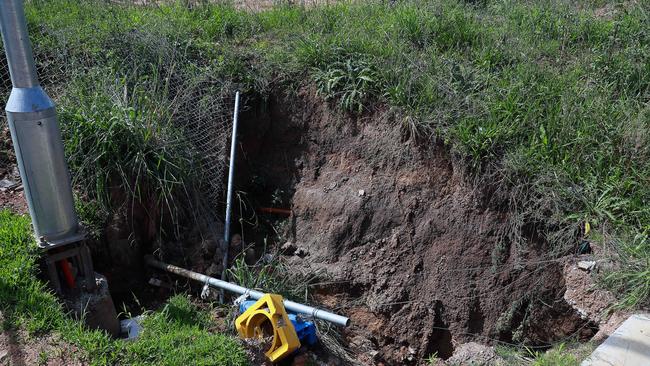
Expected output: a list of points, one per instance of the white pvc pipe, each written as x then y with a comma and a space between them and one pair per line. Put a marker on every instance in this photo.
289, 305
231, 174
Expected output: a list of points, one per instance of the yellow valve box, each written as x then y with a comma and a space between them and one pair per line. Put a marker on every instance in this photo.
254, 322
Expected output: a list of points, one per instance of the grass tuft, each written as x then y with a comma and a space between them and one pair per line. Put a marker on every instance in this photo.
351, 82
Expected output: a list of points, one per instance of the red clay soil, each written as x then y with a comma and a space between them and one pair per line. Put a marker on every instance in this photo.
418, 254
19, 348
12, 199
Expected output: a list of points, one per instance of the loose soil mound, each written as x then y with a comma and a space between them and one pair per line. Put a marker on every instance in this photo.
419, 256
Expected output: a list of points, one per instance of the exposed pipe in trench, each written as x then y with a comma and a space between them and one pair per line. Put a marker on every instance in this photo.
231, 177
289, 305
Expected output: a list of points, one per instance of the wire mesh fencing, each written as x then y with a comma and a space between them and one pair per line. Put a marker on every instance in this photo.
141, 72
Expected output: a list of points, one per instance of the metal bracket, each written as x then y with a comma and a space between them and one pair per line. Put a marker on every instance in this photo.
44, 243
79, 255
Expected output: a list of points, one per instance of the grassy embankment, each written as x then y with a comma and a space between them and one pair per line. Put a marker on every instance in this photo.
546, 100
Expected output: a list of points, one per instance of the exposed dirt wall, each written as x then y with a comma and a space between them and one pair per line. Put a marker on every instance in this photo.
418, 254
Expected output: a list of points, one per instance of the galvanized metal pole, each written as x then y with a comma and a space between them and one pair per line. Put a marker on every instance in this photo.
36, 137
231, 178
289, 305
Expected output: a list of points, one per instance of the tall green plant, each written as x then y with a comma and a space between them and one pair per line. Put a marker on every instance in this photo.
119, 135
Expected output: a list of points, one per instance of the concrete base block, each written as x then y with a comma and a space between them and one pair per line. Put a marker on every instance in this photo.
628, 346
96, 307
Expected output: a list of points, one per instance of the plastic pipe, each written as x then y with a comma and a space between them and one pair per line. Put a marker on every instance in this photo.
273, 210
67, 273
289, 305
231, 175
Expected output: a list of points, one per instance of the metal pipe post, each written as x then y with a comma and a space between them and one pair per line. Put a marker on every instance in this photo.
231, 178
36, 137
289, 305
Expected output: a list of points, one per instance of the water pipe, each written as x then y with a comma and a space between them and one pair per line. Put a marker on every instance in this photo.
289, 305
231, 177
273, 210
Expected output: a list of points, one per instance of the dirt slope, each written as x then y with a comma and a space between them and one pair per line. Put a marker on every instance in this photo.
418, 254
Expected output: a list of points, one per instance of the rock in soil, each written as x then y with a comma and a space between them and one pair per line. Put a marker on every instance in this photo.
475, 354
589, 300
288, 248
587, 265
214, 270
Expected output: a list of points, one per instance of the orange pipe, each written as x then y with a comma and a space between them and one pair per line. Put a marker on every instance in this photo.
272, 210
67, 272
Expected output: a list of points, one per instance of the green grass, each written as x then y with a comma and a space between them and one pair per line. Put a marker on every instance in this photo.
547, 100
178, 334
562, 354
554, 357
117, 136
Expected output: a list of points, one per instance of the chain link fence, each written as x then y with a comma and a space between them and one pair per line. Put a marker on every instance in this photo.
143, 67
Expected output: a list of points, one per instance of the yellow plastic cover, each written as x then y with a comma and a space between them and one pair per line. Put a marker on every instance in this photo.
254, 322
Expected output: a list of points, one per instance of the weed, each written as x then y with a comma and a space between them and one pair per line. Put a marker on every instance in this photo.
633, 278
432, 359
562, 354
92, 216
350, 81
122, 138
271, 274
42, 358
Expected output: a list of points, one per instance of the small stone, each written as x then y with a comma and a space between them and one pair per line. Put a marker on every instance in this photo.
374, 354
473, 353
236, 242
6, 184
288, 248
158, 283
3, 355
586, 265
208, 247
214, 270
300, 252
268, 258
250, 256
300, 360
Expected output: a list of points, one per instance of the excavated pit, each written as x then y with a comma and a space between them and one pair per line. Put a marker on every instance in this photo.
416, 254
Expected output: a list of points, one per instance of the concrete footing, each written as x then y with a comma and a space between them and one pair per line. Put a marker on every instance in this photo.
96, 307
629, 345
